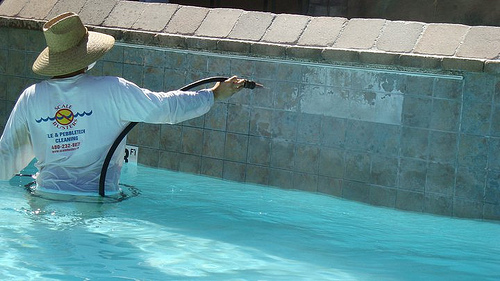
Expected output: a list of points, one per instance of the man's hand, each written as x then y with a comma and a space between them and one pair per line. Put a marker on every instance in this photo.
227, 88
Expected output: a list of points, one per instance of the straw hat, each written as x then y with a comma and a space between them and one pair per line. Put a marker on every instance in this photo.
70, 46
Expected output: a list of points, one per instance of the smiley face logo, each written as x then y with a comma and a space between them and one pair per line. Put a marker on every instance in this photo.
64, 116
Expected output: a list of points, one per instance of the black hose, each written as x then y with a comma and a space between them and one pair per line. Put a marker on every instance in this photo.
112, 149
102, 180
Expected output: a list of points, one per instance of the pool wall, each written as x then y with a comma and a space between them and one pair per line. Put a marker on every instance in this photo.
398, 114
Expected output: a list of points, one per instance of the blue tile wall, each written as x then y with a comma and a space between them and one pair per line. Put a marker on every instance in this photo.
417, 141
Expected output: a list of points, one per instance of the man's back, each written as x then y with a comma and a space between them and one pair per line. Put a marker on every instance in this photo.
72, 123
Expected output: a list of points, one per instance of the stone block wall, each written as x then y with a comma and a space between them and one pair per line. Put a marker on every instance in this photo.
357, 123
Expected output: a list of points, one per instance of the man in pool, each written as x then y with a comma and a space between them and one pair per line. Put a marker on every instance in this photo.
69, 121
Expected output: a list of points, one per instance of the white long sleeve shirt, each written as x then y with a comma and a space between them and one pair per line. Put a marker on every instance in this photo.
69, 125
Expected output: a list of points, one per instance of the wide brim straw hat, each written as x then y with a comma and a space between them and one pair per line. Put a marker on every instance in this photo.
70, 46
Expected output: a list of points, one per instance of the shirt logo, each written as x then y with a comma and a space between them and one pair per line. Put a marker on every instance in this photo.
64, 117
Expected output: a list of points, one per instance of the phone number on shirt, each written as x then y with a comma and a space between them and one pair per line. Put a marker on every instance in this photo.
65, 147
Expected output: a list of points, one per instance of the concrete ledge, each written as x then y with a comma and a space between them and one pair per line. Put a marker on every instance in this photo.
399, 36
441, 39
286, 29
316, 34
421, 61
202, 44
492, 66
340, 55
125, 14
60, 7
12, 8
186, 20
25, 24
95, 12
481, 42
379, 58
36, 8
251, 26
360, 34
304, 53
155, 17
268, 50
378, 42
219, 23
234, 46
454, 63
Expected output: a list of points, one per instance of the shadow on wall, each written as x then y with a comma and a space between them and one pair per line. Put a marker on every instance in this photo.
477, 12
153, 1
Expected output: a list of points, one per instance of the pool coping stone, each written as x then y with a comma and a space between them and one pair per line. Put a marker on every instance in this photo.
375, 42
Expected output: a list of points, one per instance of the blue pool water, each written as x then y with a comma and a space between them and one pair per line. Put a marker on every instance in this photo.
184, 227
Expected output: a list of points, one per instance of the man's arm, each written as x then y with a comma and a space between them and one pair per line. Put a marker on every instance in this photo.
16, 150
142, 105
